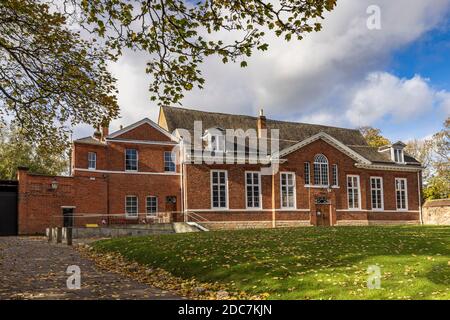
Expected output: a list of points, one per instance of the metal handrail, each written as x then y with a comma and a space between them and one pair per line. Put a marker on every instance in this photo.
196, 216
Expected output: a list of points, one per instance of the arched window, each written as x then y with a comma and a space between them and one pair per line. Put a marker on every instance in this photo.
321, 170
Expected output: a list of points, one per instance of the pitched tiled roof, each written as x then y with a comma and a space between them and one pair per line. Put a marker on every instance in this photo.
90, 140
290, 132
371, 154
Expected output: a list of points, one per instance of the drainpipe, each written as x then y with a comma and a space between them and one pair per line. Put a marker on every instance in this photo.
181, 160
106, 176
274, 224
419, 190
183, 180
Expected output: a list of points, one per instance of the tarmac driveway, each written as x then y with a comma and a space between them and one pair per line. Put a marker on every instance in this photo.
31, 268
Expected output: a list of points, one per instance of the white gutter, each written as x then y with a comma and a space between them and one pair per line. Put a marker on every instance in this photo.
388, 167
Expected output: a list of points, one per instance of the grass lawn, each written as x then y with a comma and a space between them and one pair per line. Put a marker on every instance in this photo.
304, 263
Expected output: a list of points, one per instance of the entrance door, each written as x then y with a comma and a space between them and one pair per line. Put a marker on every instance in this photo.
171, 207
171, 204
323, 215
68, 217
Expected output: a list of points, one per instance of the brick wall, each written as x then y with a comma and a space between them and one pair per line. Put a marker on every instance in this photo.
39, 205
198, 191
80, 155
99, 194
102, 192
144, 132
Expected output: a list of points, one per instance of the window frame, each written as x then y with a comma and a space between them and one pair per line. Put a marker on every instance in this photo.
320, 165
259, 188
381, 190
171, 162
95, 160
147, 213
335, 175
137, 160
398, 155
127, 215
406, 194
219, 144
358, 189
307, 173
211, 183
294, 190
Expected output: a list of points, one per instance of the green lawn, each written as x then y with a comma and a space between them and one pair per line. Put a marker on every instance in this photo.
305, 263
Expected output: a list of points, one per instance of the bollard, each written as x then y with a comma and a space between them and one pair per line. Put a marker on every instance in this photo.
69, 236
53, 232
58, 234
64, 234
49, 234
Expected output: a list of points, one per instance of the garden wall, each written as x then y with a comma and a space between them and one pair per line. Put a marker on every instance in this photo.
437, 212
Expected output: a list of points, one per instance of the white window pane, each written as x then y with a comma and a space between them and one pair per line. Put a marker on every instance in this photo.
218, 187
287, 190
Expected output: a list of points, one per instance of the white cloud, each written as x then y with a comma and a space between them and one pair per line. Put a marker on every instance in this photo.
300, 78
319, 79
326, 117
443, 98
133, 82
386, 95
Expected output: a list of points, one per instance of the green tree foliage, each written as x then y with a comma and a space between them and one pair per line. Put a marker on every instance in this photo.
373, 137
434, 154
179, 34
441, 142
50, 78
422, 150
438, 186
16, 151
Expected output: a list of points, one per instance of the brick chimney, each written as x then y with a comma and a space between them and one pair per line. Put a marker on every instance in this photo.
261, 122
104, 129
98, 134
105, 132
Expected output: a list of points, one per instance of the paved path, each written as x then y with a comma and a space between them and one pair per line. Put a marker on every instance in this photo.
30, 268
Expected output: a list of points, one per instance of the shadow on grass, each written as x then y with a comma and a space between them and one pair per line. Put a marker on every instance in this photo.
440, 274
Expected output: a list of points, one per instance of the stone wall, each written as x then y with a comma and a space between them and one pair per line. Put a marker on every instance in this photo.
436, 212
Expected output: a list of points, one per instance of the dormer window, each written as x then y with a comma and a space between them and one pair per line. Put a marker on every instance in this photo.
215, 139
398, 156
395, 150
217, 143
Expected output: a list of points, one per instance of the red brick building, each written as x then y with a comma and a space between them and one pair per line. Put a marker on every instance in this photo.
325, 176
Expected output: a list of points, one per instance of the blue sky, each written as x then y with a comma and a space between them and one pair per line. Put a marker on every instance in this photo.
429, 57
396, 78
